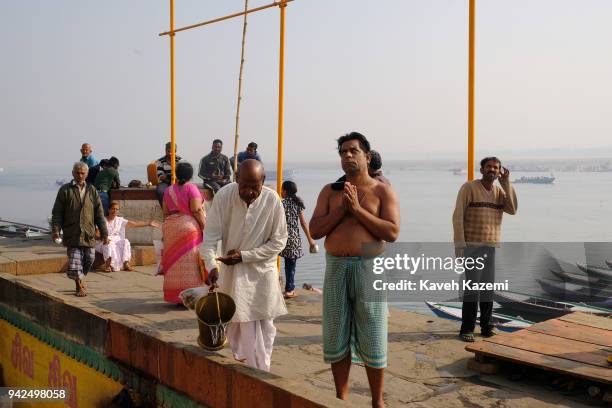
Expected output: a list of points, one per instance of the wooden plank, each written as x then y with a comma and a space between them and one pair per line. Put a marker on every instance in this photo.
549, 363
573, 331
585, 319
577, 351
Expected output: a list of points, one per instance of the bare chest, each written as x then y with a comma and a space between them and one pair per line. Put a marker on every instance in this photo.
367, 199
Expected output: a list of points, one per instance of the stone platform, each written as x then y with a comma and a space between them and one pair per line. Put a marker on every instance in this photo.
125, 318
40, 256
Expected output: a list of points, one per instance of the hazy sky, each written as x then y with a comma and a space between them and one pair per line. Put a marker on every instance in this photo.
96, 71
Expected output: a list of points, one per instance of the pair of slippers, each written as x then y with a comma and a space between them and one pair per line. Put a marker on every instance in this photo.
469, 337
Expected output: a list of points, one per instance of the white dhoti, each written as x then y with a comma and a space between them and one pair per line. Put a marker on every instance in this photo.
252, 342
119, 250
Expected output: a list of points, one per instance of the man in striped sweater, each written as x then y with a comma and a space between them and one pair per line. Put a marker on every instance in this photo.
477, 231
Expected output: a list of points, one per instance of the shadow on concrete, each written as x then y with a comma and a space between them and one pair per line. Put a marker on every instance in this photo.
297, 341
395, 337
290, 318
419, 336
131, 306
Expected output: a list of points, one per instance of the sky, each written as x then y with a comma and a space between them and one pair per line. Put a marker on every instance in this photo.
90, 71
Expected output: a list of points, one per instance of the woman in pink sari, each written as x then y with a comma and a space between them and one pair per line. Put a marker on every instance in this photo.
184, 220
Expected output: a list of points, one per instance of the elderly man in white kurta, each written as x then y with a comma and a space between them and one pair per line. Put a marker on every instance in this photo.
249, 220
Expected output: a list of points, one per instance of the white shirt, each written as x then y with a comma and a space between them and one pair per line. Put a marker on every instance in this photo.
259, 232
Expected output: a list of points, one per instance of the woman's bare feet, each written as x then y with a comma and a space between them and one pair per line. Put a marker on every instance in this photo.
81, 290
107, 266
127, 266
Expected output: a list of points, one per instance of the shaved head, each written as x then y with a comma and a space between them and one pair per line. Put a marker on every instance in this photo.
251, 168
250, 180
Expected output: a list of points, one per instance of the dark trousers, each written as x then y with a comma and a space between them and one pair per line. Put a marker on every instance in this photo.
159, 191
471, 298
105, 201
290, 274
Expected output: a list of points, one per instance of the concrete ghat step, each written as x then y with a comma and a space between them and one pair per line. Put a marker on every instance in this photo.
19, 257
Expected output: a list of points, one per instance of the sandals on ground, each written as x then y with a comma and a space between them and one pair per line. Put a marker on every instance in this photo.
489, 333
467, 337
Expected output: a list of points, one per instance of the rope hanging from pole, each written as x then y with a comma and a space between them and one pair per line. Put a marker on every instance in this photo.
237, 129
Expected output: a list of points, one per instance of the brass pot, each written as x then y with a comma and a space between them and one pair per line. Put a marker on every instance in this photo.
214, 312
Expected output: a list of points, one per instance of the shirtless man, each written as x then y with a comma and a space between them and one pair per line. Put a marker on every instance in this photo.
349, 214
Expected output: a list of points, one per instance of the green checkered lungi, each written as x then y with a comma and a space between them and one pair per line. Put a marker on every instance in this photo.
351, 325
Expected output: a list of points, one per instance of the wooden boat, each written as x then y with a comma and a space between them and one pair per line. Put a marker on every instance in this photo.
568, 267
574, 292
11, 229
529, 304
581, 278
501, 321
596, 270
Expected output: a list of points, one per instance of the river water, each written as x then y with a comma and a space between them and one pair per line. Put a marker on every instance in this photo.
575, 208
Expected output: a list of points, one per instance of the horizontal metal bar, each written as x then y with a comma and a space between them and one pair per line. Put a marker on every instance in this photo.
216, 20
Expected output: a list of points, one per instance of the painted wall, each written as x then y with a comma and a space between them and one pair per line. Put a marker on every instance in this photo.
27, 362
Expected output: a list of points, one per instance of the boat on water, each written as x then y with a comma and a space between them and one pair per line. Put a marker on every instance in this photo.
459, 172
530, 304
11, 229
598, 271
581, 279
500, 321
288, 174
575, 292
535, 180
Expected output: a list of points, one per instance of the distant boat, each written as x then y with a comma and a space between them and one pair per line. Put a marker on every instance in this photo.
534, 180
11, 229
288, 174
581, 278
574, 292
501, 321
530, 304
596, 270
60, 182
459, 172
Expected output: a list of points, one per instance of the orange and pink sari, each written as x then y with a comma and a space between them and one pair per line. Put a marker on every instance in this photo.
182, 234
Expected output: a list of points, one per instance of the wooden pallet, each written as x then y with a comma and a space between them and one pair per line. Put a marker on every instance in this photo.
577, 344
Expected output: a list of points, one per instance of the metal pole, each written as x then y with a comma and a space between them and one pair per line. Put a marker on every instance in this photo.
172, 112
281, 90
281, 86
470, 160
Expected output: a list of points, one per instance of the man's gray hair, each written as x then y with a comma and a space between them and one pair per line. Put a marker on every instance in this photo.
80, 165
